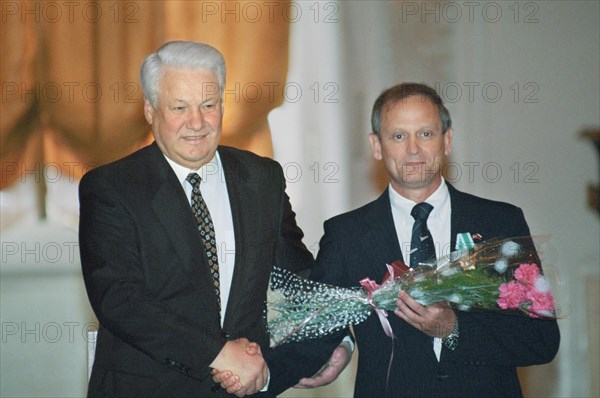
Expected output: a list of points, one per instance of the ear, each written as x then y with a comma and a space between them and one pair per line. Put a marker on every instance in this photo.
148, 111
448, 141
375, 146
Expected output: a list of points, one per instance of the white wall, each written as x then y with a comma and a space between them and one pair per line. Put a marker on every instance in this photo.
44, 313
532, 137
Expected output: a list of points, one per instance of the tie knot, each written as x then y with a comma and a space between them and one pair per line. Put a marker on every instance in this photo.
194, 179
421, 211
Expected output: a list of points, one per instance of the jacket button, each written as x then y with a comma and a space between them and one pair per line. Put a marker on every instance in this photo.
442, 377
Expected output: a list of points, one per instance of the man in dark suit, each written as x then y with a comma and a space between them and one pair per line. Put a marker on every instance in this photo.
439, 352
147, 243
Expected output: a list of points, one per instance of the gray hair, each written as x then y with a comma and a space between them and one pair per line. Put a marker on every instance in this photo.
401, 92
180, 54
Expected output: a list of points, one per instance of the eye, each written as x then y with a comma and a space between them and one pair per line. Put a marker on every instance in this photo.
209, 106
398, 137
179, 108
427, 134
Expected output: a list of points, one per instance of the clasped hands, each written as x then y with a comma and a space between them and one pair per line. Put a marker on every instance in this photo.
240, 368
232, 381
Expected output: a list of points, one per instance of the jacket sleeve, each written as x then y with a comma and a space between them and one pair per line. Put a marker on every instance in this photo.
289, 362
501, 338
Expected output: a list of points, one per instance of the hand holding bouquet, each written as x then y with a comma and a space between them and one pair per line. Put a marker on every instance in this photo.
497, 275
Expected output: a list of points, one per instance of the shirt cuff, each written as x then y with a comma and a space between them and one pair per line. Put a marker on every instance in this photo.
349, 340
266, 387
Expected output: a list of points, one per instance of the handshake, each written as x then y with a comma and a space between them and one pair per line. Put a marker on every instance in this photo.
240, 368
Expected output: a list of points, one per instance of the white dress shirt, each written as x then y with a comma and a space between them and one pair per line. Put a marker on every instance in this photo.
214, 192
438, 223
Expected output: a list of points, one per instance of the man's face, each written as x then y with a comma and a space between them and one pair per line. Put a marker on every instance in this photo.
412, 146
186, 122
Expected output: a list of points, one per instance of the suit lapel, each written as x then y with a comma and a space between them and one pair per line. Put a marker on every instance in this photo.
240, 189
380, 237
459, 219
173, 211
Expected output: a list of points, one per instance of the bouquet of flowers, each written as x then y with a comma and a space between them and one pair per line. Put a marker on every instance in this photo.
498, 275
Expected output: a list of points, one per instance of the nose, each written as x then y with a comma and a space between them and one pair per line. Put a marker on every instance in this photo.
412, 146
195, 120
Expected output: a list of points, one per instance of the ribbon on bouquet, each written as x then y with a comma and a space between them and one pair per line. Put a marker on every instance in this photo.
395, 270
370, 286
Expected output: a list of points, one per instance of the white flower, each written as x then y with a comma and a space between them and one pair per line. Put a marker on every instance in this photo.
510, 249
545, 313
455, 298
450, 271
501, 265
541, 284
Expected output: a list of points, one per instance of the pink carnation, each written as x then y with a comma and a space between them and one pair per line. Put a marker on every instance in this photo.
512, 294
542, 303
526, 273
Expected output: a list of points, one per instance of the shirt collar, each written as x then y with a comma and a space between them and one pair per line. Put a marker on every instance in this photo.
437, 199
206, 170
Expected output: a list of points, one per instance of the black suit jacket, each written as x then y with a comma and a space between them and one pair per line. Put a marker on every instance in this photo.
147, 277
358, 244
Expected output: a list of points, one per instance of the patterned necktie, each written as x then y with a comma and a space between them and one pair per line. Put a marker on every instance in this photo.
422, 248
207, 231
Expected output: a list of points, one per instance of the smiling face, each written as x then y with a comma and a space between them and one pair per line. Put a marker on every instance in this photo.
412, 146
186, 122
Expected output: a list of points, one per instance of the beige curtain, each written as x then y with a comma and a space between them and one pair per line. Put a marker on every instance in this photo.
70, 76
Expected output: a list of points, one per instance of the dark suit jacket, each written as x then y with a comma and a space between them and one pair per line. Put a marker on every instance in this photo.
148, 281
358, 244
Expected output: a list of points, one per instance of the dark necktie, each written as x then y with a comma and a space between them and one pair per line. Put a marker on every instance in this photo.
422, 248
207, 231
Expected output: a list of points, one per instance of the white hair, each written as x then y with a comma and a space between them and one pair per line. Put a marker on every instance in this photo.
180, 54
